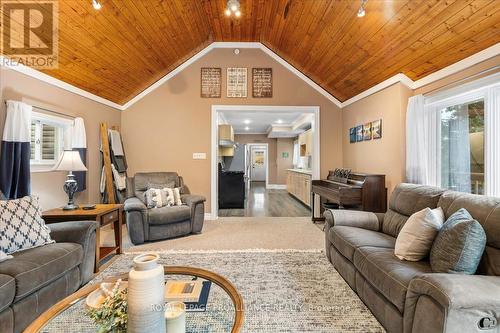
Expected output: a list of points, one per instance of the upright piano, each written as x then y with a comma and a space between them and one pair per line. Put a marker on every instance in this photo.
356, 191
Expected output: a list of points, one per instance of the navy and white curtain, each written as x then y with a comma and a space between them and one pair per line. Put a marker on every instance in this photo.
15, 180
79, 143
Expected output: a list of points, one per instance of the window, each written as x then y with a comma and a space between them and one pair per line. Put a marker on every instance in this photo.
453, 138
47, 140
462, 147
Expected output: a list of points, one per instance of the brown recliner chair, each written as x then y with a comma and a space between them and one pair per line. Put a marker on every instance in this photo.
166, 222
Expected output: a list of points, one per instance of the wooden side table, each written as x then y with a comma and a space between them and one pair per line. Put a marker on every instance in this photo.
103, 214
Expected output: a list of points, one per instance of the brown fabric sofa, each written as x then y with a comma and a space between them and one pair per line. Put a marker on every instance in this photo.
35, 279
406, 296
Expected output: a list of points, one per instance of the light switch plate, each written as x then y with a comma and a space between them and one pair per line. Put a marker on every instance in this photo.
199, 156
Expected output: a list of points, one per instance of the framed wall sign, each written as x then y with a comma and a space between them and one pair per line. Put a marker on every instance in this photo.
262, 82
237, 82
211, 82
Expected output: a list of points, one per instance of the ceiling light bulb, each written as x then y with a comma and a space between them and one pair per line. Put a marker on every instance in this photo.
279, 121
227, 12
234, 7
361, 12
246, 121
237, 13
96, 4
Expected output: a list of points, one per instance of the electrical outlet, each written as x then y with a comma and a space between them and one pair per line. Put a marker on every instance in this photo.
199, 156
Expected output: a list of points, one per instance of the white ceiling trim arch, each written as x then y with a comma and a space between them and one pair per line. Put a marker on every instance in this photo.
481, 56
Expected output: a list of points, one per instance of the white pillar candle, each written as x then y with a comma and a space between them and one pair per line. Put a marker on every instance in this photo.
175, 315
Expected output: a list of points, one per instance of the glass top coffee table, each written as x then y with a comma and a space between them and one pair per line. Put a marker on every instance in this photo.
224, 310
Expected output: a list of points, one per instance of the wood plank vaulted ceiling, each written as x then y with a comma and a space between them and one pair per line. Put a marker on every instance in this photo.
122, 49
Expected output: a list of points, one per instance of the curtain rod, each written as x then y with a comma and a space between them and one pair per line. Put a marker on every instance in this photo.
455, 83
51, 111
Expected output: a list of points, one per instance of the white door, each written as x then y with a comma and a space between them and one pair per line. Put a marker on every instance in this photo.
258, 163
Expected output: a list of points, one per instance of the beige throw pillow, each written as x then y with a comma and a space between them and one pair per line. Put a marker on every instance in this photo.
415, 239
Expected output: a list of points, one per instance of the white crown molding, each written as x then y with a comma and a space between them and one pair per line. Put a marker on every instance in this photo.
4, 62
398, 78
474, 59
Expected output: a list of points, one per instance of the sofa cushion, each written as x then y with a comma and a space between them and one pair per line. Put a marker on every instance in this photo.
166, 215
347, 239
7, 291
143, 179
459, 245
386, 273
407, 199
414, 242
34, 268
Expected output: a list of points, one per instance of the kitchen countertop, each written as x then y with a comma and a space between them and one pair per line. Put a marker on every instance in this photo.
304, 171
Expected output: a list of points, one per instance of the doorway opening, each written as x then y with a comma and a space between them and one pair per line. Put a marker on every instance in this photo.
255, 149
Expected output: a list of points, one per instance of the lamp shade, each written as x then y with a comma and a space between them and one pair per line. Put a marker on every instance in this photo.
70, 161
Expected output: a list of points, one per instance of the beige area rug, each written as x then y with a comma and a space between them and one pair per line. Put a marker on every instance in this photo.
240, 233
283, 291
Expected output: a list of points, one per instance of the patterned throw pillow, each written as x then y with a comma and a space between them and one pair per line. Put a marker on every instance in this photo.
459, 245
156, 198
21, 225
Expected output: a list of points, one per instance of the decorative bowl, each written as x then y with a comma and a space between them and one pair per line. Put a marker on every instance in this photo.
95, 299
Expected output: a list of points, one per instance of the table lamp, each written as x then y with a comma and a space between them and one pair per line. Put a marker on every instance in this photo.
70, 161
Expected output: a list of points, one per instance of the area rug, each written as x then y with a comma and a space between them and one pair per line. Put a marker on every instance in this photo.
283, 291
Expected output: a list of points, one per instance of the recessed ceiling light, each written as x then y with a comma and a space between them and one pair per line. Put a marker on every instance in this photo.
247, 128
279, 121
96, 4
361, 11
246, 121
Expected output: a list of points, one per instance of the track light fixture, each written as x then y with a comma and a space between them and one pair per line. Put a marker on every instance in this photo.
232, 8
361, 11
96, 4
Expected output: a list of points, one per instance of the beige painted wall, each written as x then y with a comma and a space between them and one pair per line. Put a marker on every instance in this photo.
386, 155
164, 129
284, 145
48, 185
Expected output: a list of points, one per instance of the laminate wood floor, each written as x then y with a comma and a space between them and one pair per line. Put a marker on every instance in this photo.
262, 202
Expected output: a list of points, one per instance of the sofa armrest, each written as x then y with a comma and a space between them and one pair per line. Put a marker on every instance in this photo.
80, 232
191, 199
134, 204
353, 218
197, 205
465, 302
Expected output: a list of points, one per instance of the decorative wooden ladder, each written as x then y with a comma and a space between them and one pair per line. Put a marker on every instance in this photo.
106, 157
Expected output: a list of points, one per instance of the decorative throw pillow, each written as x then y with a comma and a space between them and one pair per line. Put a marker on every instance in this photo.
155, 198
4, 256
177, 196
170, 196
415, 239
459, 245
21, 225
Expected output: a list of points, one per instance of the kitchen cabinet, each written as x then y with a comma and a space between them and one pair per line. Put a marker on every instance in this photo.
306, 143
226, 140
298, 184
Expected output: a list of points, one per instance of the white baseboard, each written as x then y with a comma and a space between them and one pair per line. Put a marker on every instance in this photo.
276, 187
